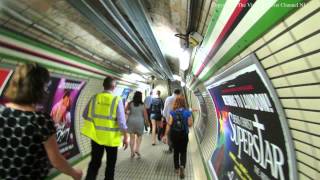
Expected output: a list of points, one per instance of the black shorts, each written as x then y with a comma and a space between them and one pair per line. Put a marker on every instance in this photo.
156, 117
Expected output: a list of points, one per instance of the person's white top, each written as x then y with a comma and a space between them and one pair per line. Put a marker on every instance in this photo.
148, 101
168, 105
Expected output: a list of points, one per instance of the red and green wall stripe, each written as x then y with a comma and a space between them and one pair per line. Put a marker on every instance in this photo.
19, 37
273, 16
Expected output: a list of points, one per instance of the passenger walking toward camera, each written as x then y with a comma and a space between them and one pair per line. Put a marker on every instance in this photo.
27, 137
137, 118
156, 117
178, 125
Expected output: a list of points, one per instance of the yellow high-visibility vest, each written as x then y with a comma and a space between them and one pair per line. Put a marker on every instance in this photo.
100, 124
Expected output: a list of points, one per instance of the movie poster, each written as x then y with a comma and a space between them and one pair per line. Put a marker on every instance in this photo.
60, 104
253, 139
4, 78
201, 125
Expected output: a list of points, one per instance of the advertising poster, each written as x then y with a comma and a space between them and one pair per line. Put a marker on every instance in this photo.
60, 104
4, 78
125, 94
253, 139
201, 125
118, 91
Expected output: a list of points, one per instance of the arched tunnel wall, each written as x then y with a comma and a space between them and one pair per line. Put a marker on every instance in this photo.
289, 54
16, 48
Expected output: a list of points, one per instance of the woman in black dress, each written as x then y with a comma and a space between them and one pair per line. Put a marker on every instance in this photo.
27, 138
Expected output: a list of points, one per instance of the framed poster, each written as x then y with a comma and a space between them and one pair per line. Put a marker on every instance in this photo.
61, 104
253, 139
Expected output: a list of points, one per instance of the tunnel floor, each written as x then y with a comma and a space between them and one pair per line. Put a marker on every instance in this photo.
156, 163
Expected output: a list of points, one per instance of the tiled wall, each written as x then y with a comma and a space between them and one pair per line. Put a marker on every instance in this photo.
207, 145
92, 87
290, 54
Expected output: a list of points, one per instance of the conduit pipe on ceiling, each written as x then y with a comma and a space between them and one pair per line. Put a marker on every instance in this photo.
58, 37
125, 27
110, 31
137, 16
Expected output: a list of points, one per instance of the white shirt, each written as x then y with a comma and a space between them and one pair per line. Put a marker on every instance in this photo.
148, 101
168, 105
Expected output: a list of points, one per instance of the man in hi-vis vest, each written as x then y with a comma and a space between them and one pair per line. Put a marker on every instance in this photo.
104, 124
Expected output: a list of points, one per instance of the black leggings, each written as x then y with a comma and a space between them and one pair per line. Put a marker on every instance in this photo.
179, 144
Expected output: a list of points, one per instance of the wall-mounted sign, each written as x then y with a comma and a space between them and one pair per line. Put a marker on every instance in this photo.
201, 125
253, 140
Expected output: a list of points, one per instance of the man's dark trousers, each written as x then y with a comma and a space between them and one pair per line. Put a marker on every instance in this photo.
96, 157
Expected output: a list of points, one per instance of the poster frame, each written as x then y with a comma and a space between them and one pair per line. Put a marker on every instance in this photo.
71, 77
244, 63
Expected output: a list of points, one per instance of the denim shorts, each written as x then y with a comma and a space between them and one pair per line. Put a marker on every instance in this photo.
155, 116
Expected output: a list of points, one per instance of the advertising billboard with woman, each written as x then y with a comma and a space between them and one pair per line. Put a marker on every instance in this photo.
60, 104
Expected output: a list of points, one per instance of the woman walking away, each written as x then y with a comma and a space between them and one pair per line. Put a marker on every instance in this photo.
136, 119
178, 125
28, 138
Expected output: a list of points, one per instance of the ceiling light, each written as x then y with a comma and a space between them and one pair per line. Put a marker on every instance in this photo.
184, 59
133, 77
176, 77
142, 69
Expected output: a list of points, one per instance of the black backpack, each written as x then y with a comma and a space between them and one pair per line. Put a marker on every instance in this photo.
178, 126
156, 105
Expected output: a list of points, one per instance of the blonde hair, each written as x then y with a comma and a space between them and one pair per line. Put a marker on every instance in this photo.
27, 84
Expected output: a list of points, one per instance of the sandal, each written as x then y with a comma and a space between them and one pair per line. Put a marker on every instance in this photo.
132, 155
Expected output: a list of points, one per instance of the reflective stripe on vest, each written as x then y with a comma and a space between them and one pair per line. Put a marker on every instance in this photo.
109, 117
94, 115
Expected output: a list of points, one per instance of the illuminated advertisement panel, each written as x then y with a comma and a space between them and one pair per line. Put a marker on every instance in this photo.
253, 140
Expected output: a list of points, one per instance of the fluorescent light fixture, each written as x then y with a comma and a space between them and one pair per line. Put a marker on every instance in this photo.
176, 77
143, 86
184, 60
142, 69
133, 77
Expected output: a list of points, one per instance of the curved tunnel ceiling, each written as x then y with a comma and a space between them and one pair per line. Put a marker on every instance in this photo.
62, 25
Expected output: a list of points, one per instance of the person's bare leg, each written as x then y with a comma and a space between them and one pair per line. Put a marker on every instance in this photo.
132, 144
158, 128
139, 140
153, 122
